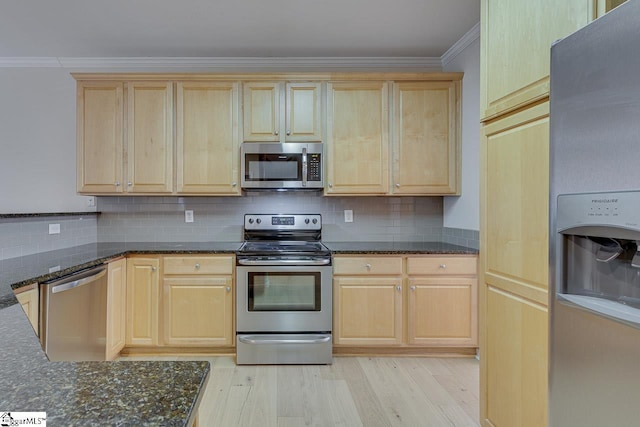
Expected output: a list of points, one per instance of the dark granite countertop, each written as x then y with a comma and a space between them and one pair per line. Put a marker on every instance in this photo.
398, 248
123, 393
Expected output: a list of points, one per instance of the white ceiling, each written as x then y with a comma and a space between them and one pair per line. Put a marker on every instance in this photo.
233, 28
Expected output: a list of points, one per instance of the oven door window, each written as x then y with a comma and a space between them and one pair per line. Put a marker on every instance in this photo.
273, 167
275, 291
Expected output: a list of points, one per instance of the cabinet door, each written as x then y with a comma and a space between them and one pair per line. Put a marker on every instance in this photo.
100, 137
426, 142
262, 101
198, 311
515, 361
116, 307
514, 218
207, 138
357, 138
143, 284
443, 311
303, 112
150, 137
367, 310
30, 302
515, 47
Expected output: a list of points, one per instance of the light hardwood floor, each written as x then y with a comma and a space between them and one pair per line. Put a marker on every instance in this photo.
354, 391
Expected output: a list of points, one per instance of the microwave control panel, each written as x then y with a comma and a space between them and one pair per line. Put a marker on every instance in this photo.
314, 173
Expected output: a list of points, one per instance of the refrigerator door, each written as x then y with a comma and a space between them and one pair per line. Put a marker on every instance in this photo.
594, 361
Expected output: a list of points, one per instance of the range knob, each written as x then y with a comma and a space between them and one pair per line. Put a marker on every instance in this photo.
250, 220
258, 221
315, 221
306, 220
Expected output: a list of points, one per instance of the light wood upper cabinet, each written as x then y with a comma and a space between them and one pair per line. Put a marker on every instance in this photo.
357, 138
207, 141
116, 307
150, 137
282, 112
100, 137
143, 288
515, 48
303, 119
426, 139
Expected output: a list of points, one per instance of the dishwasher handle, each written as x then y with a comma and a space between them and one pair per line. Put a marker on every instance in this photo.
79, 282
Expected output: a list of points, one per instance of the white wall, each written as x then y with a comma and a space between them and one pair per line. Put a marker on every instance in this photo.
38, 141
464, 211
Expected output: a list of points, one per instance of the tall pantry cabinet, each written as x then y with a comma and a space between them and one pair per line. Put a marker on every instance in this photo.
515, 41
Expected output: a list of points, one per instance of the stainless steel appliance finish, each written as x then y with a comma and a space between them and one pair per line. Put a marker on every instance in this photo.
595, 127
284, 292
74, 316
289, 166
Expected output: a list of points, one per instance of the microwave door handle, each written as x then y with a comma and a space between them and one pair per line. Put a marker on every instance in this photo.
304, 167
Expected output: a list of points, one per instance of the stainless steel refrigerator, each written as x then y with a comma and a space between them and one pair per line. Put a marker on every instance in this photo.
594, 377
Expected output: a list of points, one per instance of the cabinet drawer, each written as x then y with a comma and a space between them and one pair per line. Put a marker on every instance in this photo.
462, 265
198, 264
367, 265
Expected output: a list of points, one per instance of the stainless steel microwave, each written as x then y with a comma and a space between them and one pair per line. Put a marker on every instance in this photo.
287, 166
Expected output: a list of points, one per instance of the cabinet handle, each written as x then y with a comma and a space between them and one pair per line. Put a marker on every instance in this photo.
368, 267
399, 288
276, 133
197, 266
288, 132
228, 288
443, 266
397, 185
117, 184
153, 268
233, 184
413, 288
330, 185
129, 183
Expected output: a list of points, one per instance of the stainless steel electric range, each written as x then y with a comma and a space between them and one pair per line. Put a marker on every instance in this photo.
284, 295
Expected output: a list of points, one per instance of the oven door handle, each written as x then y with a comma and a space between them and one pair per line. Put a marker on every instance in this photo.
284, 262
253, 339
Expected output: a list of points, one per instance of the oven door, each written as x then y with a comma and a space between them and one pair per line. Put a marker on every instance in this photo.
284, 299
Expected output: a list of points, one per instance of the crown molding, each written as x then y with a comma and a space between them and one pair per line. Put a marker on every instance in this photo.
29, 62
230, 63
470, 36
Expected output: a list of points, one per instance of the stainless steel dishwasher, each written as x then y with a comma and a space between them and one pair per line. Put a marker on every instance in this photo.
73, 313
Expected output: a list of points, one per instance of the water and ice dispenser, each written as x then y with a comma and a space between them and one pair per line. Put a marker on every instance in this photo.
598, 254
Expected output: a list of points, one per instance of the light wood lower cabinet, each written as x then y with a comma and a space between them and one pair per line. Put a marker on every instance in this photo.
428, 301
116, 307
143, 288
197, 306
30, 301
368, 311
180, 301
198, 311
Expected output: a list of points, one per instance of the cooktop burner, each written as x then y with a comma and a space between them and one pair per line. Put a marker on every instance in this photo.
283, 247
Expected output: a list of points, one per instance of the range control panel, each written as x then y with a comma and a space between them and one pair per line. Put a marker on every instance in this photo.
282, 222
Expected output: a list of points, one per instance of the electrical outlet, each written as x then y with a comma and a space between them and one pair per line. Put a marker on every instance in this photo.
188, 216
348, 215
91, 201
54, 228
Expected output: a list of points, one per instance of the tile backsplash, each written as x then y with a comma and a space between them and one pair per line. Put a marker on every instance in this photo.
21, 236
221, 218
161, 219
